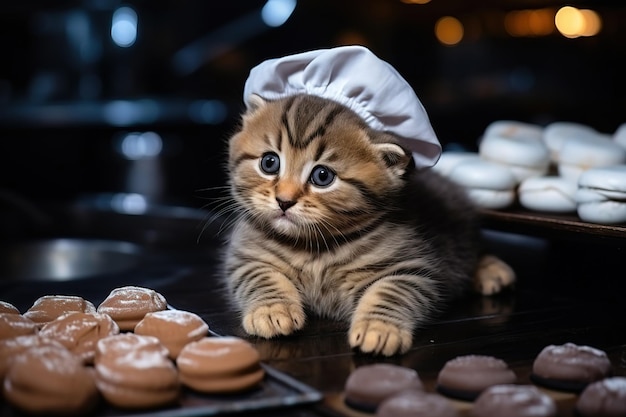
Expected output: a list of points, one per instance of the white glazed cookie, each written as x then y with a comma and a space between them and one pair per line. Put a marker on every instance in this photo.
518, 146
556, 134
580, 154
451, 159
488, 185
548, 194
619, 136
601, 195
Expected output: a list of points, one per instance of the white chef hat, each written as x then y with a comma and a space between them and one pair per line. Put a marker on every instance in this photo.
358, 79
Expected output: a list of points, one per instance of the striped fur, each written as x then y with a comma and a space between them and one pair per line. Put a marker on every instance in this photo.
383, 247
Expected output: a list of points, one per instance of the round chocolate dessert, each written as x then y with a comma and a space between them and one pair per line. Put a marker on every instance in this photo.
604, 398
369, 385
50, 380
569, 367
220, 365
510, 400
415, 403
465, 377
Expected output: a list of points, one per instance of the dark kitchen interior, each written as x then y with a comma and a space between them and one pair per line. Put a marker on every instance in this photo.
117, 134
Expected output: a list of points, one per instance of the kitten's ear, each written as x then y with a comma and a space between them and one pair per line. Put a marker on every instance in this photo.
255, 102
397, 159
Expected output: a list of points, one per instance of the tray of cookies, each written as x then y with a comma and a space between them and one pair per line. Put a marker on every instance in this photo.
559, 178
132, 355
567, 380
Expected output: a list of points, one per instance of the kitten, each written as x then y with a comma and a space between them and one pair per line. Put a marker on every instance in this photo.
334, 218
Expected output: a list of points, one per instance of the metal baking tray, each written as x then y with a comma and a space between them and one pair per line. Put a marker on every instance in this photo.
276, 391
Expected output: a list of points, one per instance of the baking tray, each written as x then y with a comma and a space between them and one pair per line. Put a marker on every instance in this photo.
334, 403
276, 391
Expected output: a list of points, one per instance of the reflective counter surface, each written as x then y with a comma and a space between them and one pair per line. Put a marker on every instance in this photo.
568, 290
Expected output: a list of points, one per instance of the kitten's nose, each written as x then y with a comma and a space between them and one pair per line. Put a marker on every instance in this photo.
285, 204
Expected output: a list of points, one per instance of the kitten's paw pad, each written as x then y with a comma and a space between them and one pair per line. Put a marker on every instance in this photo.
379, 337
273, 320
493, 275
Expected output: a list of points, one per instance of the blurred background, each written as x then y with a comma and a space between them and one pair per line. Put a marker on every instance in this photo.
99, 97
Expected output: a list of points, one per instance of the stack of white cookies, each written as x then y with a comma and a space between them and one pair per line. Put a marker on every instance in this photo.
563, 167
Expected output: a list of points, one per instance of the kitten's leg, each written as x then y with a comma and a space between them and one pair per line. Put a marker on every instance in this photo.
492, 275
271, 305
386, 315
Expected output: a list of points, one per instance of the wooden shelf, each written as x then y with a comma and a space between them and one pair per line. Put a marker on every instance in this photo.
518, 220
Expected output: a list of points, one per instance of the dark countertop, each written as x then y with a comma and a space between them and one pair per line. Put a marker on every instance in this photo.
568, 290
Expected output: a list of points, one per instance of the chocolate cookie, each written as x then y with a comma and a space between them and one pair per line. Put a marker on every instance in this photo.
465, 377
604, 398
49, 307
50, 380
138, 377
569, 367
415, 403
128, 305
80, 332
369, 385
510, 400
220, 365
174, 328
13, 325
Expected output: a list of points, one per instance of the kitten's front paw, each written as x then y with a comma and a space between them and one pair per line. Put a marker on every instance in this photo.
379, 337
273, 320
493, 275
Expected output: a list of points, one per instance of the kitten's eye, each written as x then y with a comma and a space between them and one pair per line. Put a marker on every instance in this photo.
322, 176
270, 163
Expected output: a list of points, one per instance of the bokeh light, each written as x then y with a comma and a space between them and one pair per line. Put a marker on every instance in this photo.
449, 30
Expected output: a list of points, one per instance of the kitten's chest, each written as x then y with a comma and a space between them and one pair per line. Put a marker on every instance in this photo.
323, 288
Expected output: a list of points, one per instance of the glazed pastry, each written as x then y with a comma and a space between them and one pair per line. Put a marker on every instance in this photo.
488, 185
13, 346
450, 159
140, 376
518, 146
604, 398
125, 342
49, 307
13, 325
569, 367
580, 154
549, 194
128, 305
513, 401
220, 365
601, 195
465, 377
174, 328
6, 307
369, 385
557, 133
50, 380
416, 403
80, 332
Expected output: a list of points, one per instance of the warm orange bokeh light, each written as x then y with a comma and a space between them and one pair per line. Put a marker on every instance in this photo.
572, 22
449, 30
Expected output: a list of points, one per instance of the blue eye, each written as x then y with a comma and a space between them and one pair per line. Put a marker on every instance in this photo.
270, 163
322, 176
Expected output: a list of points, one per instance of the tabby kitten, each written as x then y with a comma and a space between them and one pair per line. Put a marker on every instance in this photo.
334, 218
